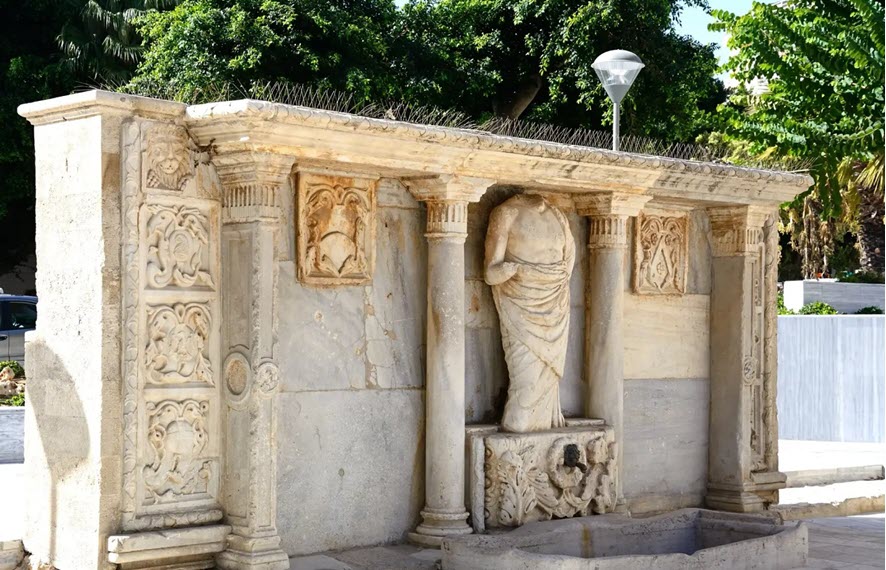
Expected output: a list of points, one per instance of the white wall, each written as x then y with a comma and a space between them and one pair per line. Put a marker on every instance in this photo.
831, 377
845, 297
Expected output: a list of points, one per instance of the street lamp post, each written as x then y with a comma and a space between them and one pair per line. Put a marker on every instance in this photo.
617, 70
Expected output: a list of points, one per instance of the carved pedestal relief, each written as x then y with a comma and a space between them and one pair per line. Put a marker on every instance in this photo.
336, 229
559, 474
171, 434
660, 254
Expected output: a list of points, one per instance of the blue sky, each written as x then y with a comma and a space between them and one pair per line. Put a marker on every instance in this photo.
694, 22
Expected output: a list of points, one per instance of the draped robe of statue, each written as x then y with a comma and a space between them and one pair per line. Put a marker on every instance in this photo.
529, 257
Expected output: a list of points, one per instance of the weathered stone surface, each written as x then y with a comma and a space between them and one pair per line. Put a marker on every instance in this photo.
529, 258
11, 554
660, 253
227, 291
552, 474
666, 444
326, 462
192, 548
336, 228
667, 336
690, 538
359, 336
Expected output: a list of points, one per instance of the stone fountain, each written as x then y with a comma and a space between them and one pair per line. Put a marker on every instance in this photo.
260, 323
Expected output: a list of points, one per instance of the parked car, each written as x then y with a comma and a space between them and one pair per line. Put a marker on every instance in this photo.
18, 314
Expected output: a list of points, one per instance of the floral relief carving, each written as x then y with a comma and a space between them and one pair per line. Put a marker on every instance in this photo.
170, 166
336, 229
177, 344
660, 254
268, 377
178, 247
178, 436
527, 481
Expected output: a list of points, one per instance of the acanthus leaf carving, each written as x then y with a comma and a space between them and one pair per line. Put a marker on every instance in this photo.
660, 254
178, 436
336, 218
527, 479
178, 344
178, 247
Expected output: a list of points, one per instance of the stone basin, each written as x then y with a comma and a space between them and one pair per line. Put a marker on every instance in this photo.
687, 538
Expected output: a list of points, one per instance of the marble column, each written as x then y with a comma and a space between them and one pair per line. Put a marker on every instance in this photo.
254, 186
742, 475
447, 201
607, 214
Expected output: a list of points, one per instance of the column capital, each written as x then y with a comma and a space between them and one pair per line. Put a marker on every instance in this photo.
252, 183
447, 197
448, 188
737, 230
605, 204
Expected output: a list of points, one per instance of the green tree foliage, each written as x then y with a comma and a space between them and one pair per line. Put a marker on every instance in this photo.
30, 70
99, 40
817, 308
481, 57
823, 61
340, 44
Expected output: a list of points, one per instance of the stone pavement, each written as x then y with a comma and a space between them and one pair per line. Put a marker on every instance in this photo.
796, 455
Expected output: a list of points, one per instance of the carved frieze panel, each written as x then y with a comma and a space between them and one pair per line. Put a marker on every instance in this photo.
178, 468
661, 254
336, 229
177, 350
544, 475
170, 165
177, 240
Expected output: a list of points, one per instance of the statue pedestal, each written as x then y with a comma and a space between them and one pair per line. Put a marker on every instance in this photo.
516, 478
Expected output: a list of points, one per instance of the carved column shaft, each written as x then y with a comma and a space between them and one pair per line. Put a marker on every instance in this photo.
738, 476
447, 206
607, 244
253, 188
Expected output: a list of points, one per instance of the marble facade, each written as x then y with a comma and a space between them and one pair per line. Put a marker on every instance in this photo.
283, 325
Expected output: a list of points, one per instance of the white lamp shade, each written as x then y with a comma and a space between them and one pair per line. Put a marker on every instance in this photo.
617, 70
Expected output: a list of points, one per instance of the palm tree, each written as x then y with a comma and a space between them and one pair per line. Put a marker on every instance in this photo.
103, 43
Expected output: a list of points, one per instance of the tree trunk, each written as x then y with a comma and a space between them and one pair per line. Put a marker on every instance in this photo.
522, 98
870, 230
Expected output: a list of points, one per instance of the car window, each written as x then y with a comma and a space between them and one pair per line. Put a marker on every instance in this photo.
22, 315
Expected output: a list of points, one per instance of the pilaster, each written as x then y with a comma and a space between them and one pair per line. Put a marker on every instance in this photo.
447, 204
742, 470
253, 186
607, 215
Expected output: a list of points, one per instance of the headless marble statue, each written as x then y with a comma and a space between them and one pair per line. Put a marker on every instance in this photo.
529, 257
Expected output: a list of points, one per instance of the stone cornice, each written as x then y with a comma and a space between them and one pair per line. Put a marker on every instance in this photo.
92, 103
397, 149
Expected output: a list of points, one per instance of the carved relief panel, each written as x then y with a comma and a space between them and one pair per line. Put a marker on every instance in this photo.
336, 229
178, 249
179, 465
660, 254
177, 348
544, 475
171, 221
